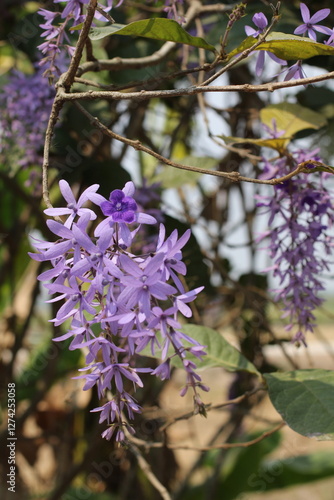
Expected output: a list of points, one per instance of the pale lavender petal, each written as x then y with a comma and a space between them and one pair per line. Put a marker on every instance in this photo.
84, 196
142, 218
57, 211
301, 29
66, 191
260, 63
319, 16
305, 12
129, 189
250, 31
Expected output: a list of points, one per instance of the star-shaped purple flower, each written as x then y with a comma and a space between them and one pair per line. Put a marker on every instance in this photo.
310, 25
74, 208
261, 23
120, 208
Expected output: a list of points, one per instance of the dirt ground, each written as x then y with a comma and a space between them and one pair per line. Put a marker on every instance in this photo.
198, 430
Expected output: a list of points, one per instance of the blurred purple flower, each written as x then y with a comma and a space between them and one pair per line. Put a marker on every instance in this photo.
25, 103
300, 212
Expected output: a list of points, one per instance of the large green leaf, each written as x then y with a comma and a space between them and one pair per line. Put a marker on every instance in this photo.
219, 351
286, 46
277, 143
158, 29
291, 118
175, 178
305, 400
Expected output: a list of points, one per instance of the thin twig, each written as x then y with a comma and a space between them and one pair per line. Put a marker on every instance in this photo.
232, 176
145, 467
56, 108
244, 54
65, 82
67, 79
213, 407
221, 446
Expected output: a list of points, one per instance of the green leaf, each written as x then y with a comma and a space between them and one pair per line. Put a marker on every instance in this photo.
158, 29
242, 465
239, 469
295, 470
286, 47
305, 400
175, 177
219, 351
274, 143
291, 118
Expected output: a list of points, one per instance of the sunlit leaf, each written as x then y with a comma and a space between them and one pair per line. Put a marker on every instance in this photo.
291, 118
286, 47
274, 143
175, 177
157, 29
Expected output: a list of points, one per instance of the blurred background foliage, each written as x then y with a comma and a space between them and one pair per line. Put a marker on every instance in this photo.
60, 454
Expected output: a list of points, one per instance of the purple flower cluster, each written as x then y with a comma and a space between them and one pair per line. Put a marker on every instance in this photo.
25, 105
300, 215
309, 26
116, 303
56, 38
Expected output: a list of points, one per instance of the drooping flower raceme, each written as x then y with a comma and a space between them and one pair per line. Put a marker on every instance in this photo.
118, 303
300, 217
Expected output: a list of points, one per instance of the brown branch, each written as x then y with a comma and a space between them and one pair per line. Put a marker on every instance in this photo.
209, 407
222, 446
188, 91
145, 467
56, 108
67, 79
246, 52
232, 176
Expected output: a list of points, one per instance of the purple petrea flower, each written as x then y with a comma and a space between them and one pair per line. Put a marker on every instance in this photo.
330, 40
73, 208
310, 25
261, 23
294, 72
120, 208
118, 302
